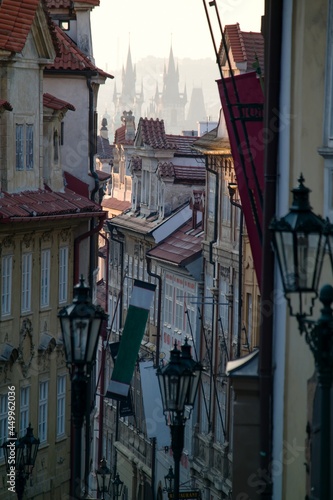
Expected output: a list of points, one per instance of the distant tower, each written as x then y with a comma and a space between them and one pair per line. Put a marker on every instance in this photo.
128, 98
171, 103
196, 110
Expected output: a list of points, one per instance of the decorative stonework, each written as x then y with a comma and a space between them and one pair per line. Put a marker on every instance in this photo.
64, 235
8, 242
26, 348
27, 239
46, 236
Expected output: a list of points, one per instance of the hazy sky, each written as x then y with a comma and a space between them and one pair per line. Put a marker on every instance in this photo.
151, 26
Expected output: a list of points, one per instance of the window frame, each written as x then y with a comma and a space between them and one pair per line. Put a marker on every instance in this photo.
45, 273
6, 284
63, 274
61, 405
24, 409
43, 392
26, 282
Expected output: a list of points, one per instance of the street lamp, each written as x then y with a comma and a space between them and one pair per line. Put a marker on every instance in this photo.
178, 380
169, 481
20, 457
300, 240
80, 324
117, 486
103, 476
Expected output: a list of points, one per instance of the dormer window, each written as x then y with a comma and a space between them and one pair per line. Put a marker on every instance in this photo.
64, 25
24, 146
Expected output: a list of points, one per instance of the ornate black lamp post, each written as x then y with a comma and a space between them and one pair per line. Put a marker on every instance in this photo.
169, 481
81, 324
103, 476
117, 486
20, 457
300, 240
178, 380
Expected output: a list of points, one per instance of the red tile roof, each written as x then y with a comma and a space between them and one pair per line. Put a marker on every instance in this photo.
245, 46
104, 148
189, 174
136, 163
115, 204
71, 57
44, 203
76, 184
102, 176
66, 4
153, 133
50, 101
182, 143
6, 105
120, 136
181, 247
16, 19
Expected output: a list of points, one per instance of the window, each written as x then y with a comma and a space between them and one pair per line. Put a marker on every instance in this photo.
26, 282
42, 411
3, 421
211, 195
19, 147
179, 313
168, 302
24, 409
64, 25
63, 273
45, 278
226, 205
249, 318
24, 146
29, 147
191, 315
6, 294
61, 404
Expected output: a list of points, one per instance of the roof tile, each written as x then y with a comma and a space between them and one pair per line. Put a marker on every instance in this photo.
71, 57
43, 203
16, 19
50, 101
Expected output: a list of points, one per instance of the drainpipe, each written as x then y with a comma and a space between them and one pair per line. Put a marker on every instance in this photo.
157, 357
102, 369
240, 268
121, 243
273, 40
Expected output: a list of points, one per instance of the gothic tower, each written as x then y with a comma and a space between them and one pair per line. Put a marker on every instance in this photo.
128, 99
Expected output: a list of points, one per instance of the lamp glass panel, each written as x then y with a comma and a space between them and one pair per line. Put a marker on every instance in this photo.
193, 388
95, 324
80, 329
66, 336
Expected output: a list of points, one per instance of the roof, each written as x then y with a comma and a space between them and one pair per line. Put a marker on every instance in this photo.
186, 174
152, 133
44, 203
67, 4
17, 17
181, 247
6, 105
182, 143
120, 136
104, 148
210, 142
50, 101
245, 46
115, 204
246, 366
102, 176
71, 57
